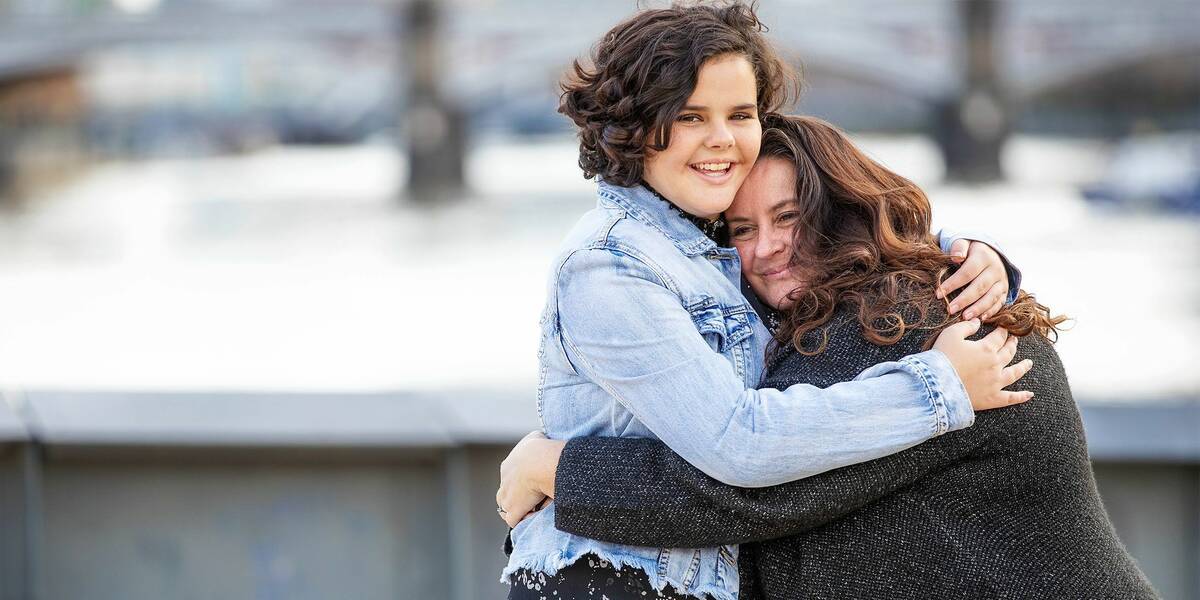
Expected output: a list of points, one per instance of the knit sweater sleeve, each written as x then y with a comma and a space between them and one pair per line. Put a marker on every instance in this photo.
639, 492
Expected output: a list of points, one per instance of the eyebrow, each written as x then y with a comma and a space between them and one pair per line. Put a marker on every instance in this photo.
774, 207
699, 108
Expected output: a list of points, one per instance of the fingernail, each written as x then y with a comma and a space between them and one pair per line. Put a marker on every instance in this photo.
938, 294
953, 308
968, 315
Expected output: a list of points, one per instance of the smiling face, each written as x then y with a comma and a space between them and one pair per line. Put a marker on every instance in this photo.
762, 220
714, 140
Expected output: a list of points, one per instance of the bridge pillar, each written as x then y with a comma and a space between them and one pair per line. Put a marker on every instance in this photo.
972, 127
434, 129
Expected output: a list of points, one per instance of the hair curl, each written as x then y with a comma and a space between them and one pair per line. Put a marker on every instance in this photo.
642, 72
863, 241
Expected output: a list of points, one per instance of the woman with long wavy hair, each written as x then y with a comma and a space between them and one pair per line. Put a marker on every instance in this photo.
837, 249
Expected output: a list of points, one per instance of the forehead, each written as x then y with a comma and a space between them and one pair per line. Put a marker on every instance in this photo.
770, 181
727, 76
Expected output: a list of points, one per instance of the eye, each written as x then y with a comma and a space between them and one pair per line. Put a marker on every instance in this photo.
741, 232
741, 116
789, 217
689, 118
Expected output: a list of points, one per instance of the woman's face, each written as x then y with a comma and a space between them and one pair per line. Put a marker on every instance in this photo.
714, 140
762, 220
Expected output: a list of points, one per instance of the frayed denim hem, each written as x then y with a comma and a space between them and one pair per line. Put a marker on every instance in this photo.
551, 564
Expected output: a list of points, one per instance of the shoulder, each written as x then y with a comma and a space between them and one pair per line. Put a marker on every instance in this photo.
606, 242
1047, 379
847, 351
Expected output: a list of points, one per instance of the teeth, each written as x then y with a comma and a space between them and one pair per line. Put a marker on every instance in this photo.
713, 166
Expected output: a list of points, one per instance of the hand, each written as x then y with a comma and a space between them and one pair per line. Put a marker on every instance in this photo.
982, 267
982, 365
527, 477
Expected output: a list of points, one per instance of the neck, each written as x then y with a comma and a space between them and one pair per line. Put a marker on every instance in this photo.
710, 218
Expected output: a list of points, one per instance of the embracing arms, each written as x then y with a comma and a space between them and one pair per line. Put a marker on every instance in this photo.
523, 485
636, 491
621, 326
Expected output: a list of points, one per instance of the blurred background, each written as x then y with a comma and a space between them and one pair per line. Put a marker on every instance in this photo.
270, 271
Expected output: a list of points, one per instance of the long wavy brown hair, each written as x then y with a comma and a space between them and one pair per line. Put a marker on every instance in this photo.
863, 241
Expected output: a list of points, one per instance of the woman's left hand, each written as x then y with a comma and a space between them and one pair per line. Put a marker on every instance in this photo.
527, 477
982, 268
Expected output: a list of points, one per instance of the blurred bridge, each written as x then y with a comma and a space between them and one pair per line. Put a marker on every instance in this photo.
963, 70
517, 45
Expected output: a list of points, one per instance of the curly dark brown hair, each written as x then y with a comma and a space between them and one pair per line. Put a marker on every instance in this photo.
862, 240
643, 71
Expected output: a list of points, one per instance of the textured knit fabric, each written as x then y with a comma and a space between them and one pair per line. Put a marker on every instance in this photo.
1007, 508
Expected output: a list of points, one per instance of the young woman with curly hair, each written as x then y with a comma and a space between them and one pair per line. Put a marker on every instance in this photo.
839, 251
646, 332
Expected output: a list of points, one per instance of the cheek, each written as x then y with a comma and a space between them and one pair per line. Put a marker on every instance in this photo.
683, 145
750, 141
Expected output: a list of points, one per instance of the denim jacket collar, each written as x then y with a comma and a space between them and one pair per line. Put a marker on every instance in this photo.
645, 206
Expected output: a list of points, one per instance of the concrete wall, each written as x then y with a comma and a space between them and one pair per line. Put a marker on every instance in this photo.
93, 507
214, 523
150, 523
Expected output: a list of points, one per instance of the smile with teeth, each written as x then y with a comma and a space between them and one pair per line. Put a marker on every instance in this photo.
713, 169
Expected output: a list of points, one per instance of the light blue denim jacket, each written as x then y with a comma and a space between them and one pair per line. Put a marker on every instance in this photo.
645, 333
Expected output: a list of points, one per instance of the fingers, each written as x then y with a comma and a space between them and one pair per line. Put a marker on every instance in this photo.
989, 304
512, 520
995, 340
958, 250
1010, 375
1005, 399
995, 309
1008, 351
961, 330
514, 509
979, 286
536, 434
1011, 398
965, 274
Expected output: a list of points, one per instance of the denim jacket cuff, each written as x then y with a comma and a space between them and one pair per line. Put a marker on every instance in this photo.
947, 396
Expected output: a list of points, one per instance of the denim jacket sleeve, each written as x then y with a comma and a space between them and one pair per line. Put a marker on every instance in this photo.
947, 237
624, 328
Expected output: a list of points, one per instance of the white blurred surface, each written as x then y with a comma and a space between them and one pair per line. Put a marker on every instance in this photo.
296, 269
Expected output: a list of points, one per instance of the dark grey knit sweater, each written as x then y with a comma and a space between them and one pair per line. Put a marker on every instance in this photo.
1006, 508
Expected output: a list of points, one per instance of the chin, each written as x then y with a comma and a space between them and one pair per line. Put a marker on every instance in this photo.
715, 202
781, 301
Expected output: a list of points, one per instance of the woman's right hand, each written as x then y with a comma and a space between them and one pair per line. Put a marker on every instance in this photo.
983, 365
527, 477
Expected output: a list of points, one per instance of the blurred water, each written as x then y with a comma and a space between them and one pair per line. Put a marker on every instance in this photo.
298, 268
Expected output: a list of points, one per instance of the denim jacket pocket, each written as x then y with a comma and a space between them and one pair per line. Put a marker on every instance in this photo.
723, 327
726, 329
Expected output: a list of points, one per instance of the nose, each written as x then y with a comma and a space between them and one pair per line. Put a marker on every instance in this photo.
771, 240
719, 135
